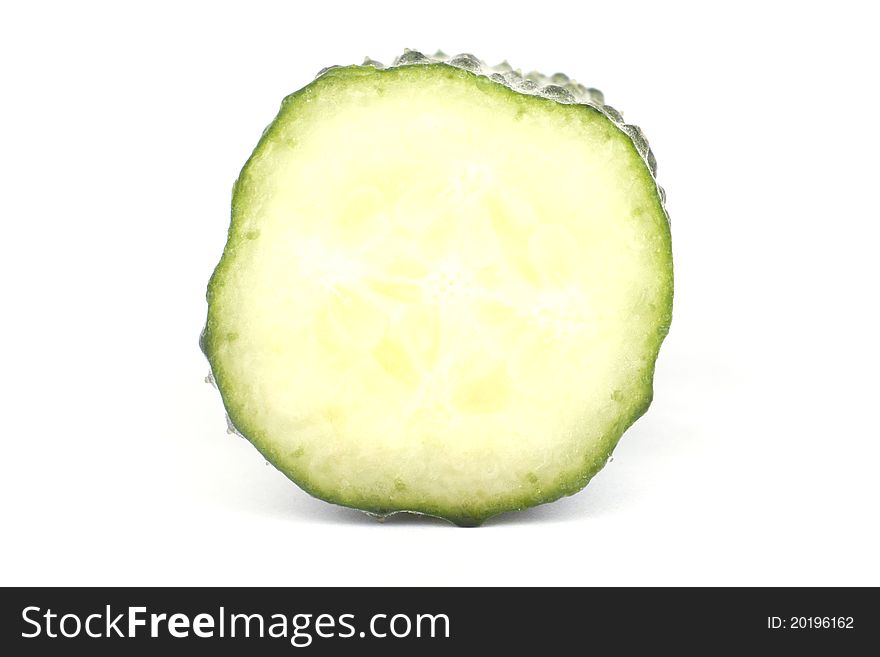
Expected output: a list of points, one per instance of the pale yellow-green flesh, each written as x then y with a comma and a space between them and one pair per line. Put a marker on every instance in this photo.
439, 295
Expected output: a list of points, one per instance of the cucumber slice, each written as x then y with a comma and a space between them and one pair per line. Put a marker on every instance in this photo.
444, 289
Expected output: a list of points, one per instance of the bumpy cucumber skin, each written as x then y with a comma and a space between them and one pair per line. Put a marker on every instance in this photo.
557, 88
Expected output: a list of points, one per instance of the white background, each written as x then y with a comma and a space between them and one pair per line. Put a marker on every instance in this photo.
122, 132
